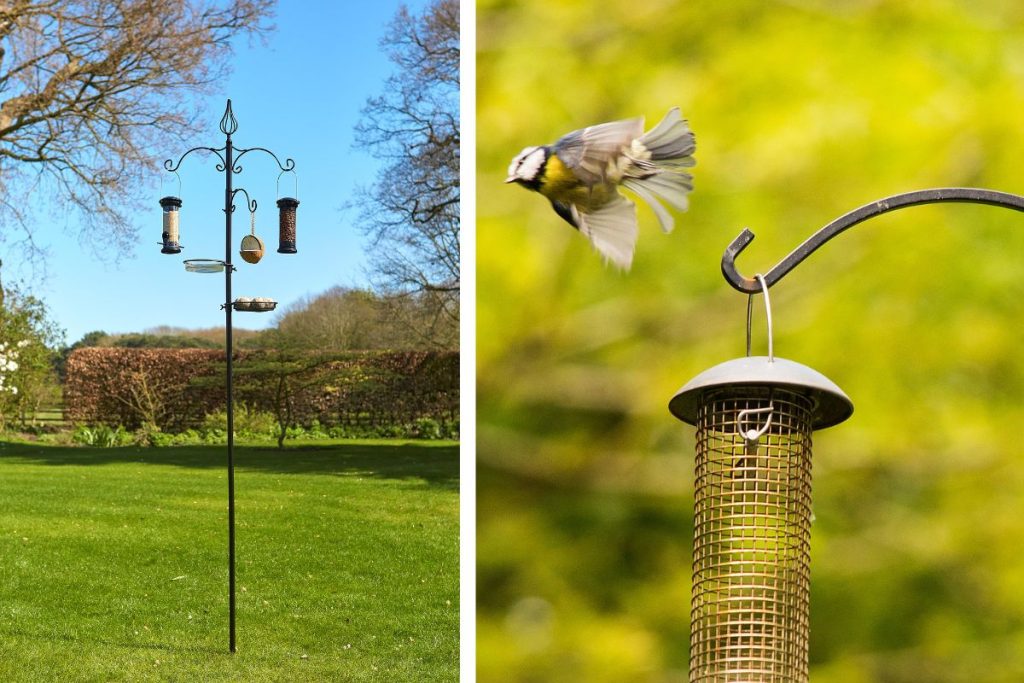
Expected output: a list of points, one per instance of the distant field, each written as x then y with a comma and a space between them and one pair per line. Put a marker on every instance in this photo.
113, 563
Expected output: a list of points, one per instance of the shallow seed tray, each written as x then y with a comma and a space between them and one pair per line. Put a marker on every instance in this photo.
204, 265
258, 304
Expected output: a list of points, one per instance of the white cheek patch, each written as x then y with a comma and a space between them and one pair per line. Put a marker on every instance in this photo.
527, 164
514, 166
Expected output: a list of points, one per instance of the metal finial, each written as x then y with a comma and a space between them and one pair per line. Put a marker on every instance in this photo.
228, 123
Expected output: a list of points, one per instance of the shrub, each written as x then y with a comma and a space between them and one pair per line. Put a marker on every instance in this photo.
101, 436
249, 424
427, 428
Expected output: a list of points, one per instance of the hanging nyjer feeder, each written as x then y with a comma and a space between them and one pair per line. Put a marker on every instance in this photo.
286, 229
171, 207
750, 607
286, 238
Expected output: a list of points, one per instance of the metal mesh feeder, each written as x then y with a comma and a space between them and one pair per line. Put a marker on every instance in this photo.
752, 515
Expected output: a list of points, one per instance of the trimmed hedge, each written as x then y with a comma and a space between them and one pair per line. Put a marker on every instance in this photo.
178, 387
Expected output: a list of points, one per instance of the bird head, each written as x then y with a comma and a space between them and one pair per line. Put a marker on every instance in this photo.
526, 168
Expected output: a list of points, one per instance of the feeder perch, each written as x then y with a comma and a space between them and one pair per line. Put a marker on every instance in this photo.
286, 238
257, 304
171, 207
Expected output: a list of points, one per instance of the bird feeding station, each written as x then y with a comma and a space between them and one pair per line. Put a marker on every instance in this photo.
251, 250
755, 416
752, 524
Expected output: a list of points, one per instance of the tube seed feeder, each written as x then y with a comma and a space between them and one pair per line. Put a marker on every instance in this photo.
286, 230
750, 609
171, 207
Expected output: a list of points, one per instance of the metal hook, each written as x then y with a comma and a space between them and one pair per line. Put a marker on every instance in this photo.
768, 317
967, 195
750, 436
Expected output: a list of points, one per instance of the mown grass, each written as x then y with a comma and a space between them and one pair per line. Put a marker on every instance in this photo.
113, 563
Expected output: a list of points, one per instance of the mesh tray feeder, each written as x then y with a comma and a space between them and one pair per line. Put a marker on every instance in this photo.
257, 304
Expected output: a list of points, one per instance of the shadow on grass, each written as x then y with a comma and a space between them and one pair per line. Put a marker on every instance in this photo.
436, 464
204, 650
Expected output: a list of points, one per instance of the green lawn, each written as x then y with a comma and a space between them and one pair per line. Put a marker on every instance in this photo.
113, 563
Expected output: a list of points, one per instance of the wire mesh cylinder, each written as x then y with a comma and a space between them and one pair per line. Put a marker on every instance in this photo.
751, 564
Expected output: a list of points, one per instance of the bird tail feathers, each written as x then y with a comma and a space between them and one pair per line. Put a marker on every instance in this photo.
671, 140
661, 156
670, 187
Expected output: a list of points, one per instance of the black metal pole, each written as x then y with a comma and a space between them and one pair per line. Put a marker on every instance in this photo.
228, 156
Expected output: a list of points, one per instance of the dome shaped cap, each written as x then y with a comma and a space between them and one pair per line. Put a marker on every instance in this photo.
831, 405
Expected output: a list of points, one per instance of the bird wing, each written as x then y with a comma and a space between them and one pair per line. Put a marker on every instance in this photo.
567, 213
612, 230
587, 152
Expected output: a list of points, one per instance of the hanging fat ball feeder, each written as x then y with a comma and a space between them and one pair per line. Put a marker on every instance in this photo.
750, 608
171, 207
252, 248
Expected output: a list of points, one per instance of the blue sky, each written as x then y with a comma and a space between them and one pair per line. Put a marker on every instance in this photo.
298, 95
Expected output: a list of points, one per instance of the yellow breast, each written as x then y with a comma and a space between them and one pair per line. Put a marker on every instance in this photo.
560, 184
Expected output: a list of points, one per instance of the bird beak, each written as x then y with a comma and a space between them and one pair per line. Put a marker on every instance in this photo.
511, 179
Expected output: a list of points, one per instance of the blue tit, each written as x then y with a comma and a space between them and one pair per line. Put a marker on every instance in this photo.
581, 174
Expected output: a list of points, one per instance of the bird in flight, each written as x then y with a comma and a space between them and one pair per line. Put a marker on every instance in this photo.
582, 172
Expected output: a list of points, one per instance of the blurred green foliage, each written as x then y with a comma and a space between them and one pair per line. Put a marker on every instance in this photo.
803, 110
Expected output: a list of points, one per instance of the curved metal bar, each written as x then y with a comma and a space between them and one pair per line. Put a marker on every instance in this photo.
173, 168
968, 195
250, 202
288, 165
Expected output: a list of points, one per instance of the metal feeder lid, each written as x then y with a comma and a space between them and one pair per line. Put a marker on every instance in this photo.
831, 405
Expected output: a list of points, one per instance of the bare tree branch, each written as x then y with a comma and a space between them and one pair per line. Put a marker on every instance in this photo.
411, 213
89, 88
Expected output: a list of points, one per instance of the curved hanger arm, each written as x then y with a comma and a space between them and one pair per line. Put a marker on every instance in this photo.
288, 165
250, 204
172, 167
750, 285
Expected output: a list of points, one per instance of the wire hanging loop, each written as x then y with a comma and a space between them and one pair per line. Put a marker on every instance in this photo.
292, 171
176, 175
768, 317
252, 221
